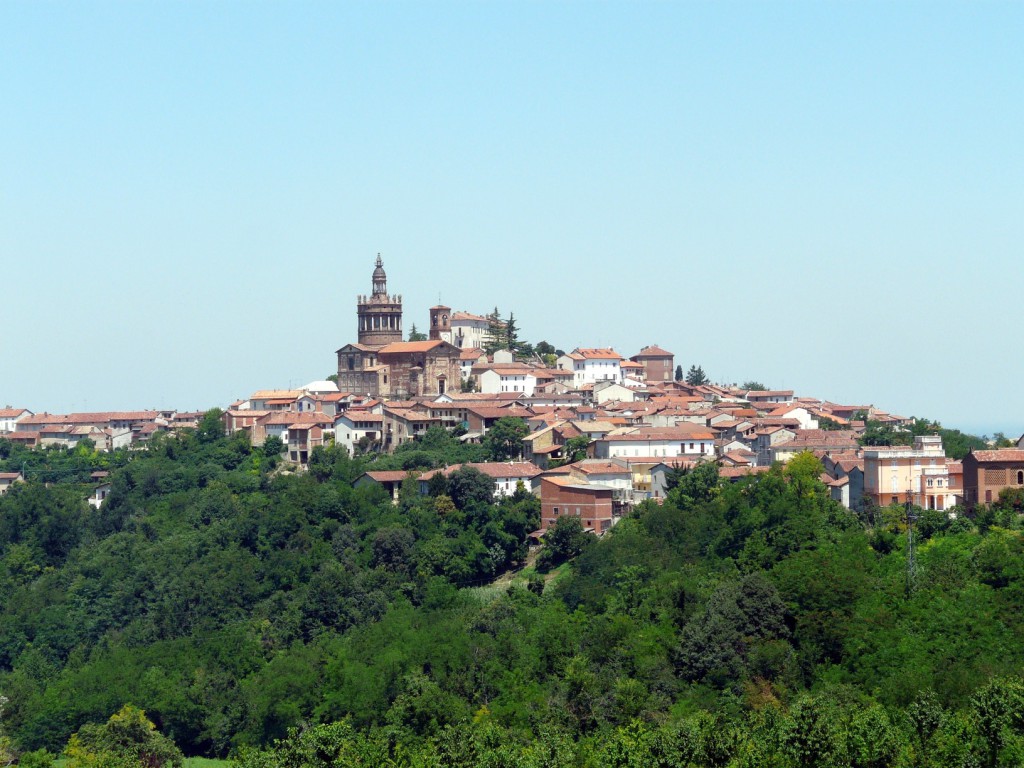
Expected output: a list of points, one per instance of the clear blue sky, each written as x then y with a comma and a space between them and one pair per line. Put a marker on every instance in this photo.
827, 197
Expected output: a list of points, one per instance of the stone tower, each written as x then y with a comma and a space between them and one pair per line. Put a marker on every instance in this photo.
441, 323
380, 315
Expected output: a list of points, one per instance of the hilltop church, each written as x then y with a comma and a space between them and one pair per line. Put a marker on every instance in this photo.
381, 365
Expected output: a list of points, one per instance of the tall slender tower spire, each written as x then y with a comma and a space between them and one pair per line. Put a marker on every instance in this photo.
380, 315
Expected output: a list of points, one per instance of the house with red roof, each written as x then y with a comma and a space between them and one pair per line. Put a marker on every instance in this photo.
986, 473
562, 496
660, 442
658, 364
9, 418
7, 479
590, 365
507, 475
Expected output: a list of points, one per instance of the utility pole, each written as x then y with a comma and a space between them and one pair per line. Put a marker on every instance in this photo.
911, 560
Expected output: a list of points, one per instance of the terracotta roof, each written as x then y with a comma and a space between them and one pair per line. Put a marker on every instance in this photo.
600, 468
506, 370
89, 418
1003, 454
10, 413
770, 393
9, 475
390, 476
357, 415
568, 482
400, 347
683, 431
290, 418
491, 412
599, 353
733, 472
468, 316
264, 394
652, 351
496, 470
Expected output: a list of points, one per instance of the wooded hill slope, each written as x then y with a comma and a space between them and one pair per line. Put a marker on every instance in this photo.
754, 623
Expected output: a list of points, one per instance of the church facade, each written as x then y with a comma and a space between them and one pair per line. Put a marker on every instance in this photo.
381, 364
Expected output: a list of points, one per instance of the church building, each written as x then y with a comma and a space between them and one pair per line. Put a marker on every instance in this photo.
381, 364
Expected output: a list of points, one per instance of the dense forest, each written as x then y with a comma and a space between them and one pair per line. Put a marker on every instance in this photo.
285, 619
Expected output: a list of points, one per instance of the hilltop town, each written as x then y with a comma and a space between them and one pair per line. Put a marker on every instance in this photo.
600, 432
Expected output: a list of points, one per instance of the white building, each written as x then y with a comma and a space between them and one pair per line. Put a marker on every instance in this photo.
468, 330
9, 417
512, 378
506, 475
590, 366
352, 426
661, 442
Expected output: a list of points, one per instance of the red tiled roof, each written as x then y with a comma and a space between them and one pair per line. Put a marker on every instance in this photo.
731, 472
599, 353
1002, 454
468, 316
391, 476
496, 470
652, 351
683, 431
357, 415
399, 347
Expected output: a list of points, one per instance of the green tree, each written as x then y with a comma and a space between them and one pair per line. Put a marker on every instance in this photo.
696, 377
576, 448
127, 739
679, 373
273, 446
512, 342
415, 335
504, 439
753, 386
7, 754
563, 541
468, 486
495, 336
211, 426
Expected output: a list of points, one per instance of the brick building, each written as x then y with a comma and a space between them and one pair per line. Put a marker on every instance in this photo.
986, 473
561, 496
657, 363
381, 365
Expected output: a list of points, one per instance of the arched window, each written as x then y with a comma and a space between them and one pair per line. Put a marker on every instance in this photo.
1020, 477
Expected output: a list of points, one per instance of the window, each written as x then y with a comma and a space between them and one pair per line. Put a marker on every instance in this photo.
1020, 477
554, 511
930, 482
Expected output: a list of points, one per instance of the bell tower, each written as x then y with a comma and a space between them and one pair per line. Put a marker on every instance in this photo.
440, 323
380, 315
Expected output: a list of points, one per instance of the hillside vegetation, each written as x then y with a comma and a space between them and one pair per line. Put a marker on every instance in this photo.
294, 620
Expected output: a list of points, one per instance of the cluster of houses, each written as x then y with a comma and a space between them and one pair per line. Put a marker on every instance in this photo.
635, 421
107, 430
637, 424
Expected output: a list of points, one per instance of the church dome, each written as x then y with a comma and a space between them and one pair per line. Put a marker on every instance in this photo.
378, 273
